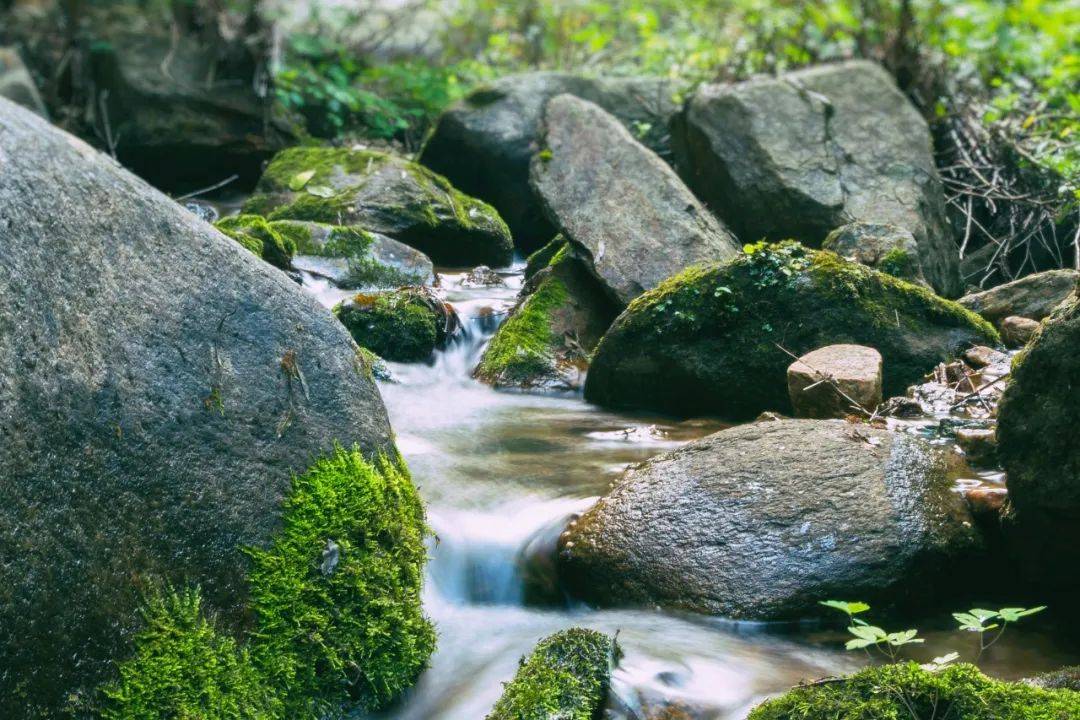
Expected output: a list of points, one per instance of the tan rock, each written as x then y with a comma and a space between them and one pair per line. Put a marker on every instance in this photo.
981, 356
978, 444
826, 382
1016, 330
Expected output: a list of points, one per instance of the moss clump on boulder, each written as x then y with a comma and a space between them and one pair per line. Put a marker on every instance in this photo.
404, 325
567, 677
542, 257
904, 691
715, 339
336, 597
185, 667
255, 234
546, 339
335, 604
385, 194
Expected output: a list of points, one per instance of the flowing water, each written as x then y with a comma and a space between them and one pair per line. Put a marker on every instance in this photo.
501, 473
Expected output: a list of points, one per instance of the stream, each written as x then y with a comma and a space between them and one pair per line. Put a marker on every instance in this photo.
502, 472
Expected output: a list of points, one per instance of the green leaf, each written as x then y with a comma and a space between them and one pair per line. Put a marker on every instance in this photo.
904, 637
321, 191
969, 622
1014, 614
945, 659
299, 180
983, 614
851, 608
858, 644
868, 632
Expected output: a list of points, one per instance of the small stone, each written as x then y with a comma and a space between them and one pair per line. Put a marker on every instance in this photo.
1016, 330
769, 416
819, 381
978, 444
981, 356
888, 248
902, 407
986, 501
482, 276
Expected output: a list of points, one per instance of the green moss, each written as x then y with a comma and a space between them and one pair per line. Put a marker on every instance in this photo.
372, 365
713, 339
542, 257
256, 234
184, 667
566, 677
399, 326
326, 162
899, 263
523, 348
906, 691
336, 597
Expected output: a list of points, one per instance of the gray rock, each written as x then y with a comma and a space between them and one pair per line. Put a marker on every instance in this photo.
830, 381
1033, 296
1017, 331
797, 156
382, 193
614, 197
159, 385
887, 248
484, 143
16, 84
482, 276
764, 520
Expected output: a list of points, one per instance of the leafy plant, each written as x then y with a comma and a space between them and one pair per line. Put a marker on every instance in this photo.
982, 621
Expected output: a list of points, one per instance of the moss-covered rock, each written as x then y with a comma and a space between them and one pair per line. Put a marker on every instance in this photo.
354, 258
566, 677
905, 691
546, 340
334, 601
386, 194
540, 259
256, 234
716, 339
403, 325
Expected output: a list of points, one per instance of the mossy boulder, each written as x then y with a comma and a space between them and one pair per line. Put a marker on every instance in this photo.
887, 248
540, 259
151, 421
546, 340
716, 339
354, 258
566, 677
1037, 420
763, 520
334, 601
382, 193
255, 234
484, 143
907, 690
404, 325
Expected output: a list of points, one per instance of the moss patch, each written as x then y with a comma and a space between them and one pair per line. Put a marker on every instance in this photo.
900, 263
566, 676
712, 339
904, 691
400, 326
523, 349
184, 667
542, 257
335, 604
336, 598
254, 233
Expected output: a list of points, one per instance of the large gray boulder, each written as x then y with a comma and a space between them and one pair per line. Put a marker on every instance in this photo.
159, 385
613, 196
1032, 296
797, 156
484, 143
764, 520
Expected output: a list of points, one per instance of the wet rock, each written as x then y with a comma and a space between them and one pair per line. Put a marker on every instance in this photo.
1017, 331
353, 258
981, 356
484, 143
902, 407
827, 382
1066, 678
382, 193
405, 325
715, 339
256, 235
201, 210
979, 445
802, 154
1037, 418
1033, 296
607, 192
887, 248
764, 520
159, 387
546, 341
16, 84
987, 503
566, 676
482, 276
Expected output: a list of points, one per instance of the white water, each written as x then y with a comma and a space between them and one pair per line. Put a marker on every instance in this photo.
500, 474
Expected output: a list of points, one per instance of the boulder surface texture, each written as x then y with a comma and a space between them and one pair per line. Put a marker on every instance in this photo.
799, 155
484, 143
764, 520
159, 385
610, 194
1033, 296
829, 381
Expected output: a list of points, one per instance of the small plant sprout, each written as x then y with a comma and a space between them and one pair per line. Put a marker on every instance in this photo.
870, 636
982, 621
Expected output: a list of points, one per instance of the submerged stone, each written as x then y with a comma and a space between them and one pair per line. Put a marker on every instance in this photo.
382, 193
717, 339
